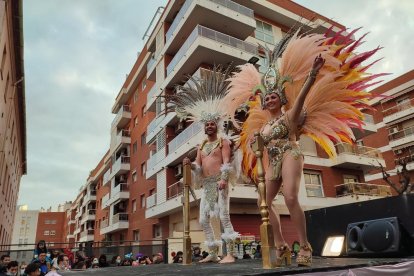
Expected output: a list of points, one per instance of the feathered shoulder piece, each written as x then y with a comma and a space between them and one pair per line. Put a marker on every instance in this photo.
334, 102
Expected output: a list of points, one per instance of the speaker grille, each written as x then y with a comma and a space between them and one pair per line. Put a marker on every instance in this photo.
378, 235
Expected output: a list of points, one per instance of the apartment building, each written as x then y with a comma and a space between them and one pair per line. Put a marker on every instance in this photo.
137, 182
50, 226
394, 118
12, 115
24, 233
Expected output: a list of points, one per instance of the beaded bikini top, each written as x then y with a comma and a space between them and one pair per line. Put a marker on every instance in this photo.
278, 132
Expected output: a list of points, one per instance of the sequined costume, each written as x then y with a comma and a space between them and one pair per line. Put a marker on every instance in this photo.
215, 203
278, 142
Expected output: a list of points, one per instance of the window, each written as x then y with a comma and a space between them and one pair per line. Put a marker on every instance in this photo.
134, 147
143, 84
143, 138
264, 32
156, 231
350, 179
53, 221
135, 96
52, 232
136, 121
143, 111
47, 221
134, 176
134, 206
313, 184
142, 198
135, 234
143, 169
46, 233
262, 65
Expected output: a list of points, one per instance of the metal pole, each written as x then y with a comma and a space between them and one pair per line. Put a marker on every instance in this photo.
266, 230
186, 215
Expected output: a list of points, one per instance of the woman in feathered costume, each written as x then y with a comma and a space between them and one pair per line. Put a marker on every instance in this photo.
316, 89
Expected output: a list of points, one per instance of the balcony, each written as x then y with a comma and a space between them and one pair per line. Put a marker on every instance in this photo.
182, 143
154, 163
400, 112
367, 129
122, 165
105, 201
122, 138
89, 215
205, 45
90, 196
152, 96
87, 235
365, 189
119, 222
401, 138
118, 193
122, 118
357, 157
224, 15
107, 177
151, 65
154, 128
175, 190
152, 200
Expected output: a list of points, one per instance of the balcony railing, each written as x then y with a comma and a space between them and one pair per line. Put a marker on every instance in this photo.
184, 136
154, 123
150, 63
213, 35
358, 150
399, 107
402, 133
121, 160
106, 177
87, 232
225, 3
156, 158
152, 200
174, 190
177, 20
124, 108
120, 217
355, 188
121, 187
369, 118
153, 92
104, 223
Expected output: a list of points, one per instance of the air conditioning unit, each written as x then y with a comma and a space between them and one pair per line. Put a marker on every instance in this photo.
393, 130
179, 171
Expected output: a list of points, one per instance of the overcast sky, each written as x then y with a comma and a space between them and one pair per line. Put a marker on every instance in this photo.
78, 52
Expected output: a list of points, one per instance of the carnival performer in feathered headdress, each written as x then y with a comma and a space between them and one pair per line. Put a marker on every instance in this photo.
314, 85
201, 102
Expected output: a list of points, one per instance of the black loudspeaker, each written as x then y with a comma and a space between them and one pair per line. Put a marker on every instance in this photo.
374, 237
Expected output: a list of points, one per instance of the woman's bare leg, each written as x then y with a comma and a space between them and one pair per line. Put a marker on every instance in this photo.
291, 174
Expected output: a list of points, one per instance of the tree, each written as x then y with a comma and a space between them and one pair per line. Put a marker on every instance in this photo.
404, 177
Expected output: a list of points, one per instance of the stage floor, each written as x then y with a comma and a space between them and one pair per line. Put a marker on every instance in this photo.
246, 267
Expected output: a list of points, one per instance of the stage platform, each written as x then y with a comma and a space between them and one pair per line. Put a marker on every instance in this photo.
321, 266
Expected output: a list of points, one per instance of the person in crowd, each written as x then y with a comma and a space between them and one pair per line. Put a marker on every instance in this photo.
32, 269
157, 258
40, 248
62, 262
102, 261
5, 259
95, 263
126, 262
22, 268
80, 266
11, 269
69, 253
196, 254
145, 261
118, 261
204, 254
178, 257
44, 265
258, 253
